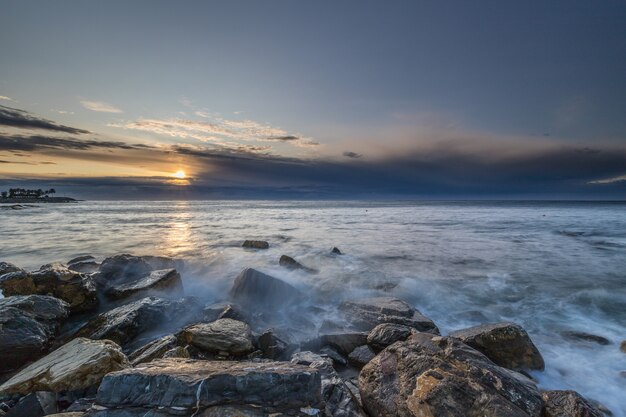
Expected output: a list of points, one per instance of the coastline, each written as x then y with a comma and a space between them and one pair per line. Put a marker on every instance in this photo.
54, 200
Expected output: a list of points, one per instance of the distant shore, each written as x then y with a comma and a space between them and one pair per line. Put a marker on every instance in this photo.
14, 200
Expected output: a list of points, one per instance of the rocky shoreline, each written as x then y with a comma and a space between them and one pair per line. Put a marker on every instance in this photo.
121, 338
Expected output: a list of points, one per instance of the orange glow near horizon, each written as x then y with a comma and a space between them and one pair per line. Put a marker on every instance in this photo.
180, 174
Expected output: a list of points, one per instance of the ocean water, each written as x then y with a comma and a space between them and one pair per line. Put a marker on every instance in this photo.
551, 267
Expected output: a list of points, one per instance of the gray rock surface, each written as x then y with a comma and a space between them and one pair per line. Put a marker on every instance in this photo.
36, 404
290, 263
506, 344
365, 314
252, 287
272, 346
429, 375
361, 356
255, 244
387, 334
567, 404
153, 350
223, 336
166, 282
75, 365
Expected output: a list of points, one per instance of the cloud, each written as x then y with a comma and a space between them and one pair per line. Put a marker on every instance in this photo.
6, 98
100, 106
24, 120
350, 154
34, 143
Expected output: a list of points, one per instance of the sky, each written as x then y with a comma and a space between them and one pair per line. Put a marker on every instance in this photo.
329, 99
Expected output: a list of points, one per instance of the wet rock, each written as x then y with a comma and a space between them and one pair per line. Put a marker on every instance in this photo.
224, 310
387, 334
84, 264
622, 346
82, 404
75, 365
191, 386
37, 404
335, 250
76, 289
361, 356
430, 375
255, 244
585, 337
153, 350
123, 267
6, 267
344, 342
162, 262
367, 313
290, 263
165, 281
178, 352
272, 346
223, 336
506, 344
82, 258
338, 359
567, 404
45, 309
307, 358
252, 287
125, 323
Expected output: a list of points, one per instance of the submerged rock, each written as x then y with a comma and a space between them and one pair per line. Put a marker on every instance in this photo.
365, 314
123, 324
252, 287
290, 263
165, 281
255, 244
223, 336
585, 337
567, 404
387, 334
506, 344
622, 346
335, 250
75, 365
76, 289
430, 375
191, 386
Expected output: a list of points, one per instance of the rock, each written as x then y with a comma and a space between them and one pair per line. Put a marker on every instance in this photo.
82, 258
622, 346
163, 262
84, 264
76, 289
27, 326
36, 404
6, 267
307, 358
290, 263
165, 281
125, 323
567, 404
506, 344
344, 342
123, 267
361, 356
153, 350
430, 375
585, 337
338, 359
75, 365
70, 414
255, 244
191, 386
227, 336
223, 310
252, 287
271, 345
387, 334
367, 313
178, 352
335, 250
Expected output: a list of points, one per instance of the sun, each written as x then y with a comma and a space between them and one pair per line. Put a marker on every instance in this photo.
180, 174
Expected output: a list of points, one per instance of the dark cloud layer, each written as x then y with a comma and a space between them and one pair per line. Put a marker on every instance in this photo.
24, 120
33, 143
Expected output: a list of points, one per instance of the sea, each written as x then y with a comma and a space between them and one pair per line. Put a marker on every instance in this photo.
552, 267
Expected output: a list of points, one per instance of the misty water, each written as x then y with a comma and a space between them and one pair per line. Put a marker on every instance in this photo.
551, 267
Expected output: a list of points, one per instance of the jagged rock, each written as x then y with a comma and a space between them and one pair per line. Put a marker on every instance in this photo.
123, 267
307, 358
506, 344
27, 325
367, 313
36, 404
224, 310
338, 359
76, 289
123, 324
335, 250
271, 345
166, 281
567, 404
429, 375
255, 244
6, 267
75, 365
191, 386
153, 350
585, 337
387, 334
361, 356
344, 342
178, 352
84, 264
252, 287
223, 336
290, 263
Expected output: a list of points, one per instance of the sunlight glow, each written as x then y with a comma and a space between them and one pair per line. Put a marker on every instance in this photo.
180, 174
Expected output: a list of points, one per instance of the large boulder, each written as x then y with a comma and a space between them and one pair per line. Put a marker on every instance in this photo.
387, 334
506, 344
429, 375
27, 326
224, 336
191, 387
78, 364
365, 314
163, 281
123, 267
567, 404
125, 323
76, 289
252, 287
